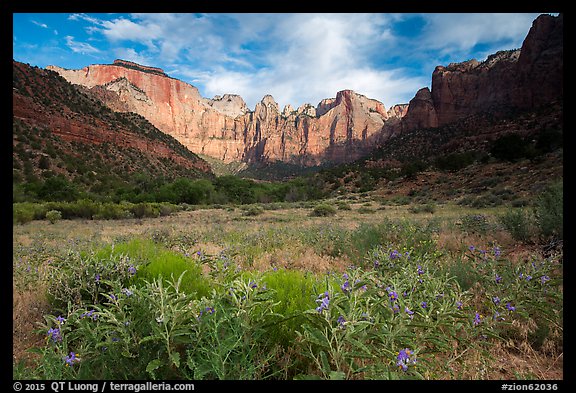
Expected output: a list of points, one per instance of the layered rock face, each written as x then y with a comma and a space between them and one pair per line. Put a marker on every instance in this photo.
525, 78
339, 129
43, 100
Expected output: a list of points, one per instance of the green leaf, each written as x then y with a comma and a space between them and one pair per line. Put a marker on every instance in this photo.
337, 375
175, 357
153, 365
316, 336
149, 338
359, 346
325, 363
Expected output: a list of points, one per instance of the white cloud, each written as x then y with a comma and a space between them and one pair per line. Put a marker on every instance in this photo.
299, 58
43, 25
131, 55
459, 33
80, 47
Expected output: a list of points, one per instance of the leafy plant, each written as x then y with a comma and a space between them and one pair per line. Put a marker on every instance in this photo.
323, 210
53, 216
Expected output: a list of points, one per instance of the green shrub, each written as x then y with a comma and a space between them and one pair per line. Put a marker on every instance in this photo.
253, 211
365, 210
427, 208
549, 211
323, 210
112, 211
343, 206
53, 216
516, 222
455, 161
475, 223
158, 261
294, 292
24, 212
144, 209
21, 213
510, 147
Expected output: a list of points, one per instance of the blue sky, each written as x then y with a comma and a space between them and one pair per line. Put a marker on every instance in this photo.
297, 58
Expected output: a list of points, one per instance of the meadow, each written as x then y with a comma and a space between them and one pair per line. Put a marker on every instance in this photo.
338, 289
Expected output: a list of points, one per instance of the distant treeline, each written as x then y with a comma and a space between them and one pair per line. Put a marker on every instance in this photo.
143, 188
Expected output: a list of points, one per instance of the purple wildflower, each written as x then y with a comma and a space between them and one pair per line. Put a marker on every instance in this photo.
252, 285
127, 292
54, 334
60, 320
324, 300
471, 248
132, 270
376, 264
409, 312
420, 271
528, 277
498, 278
393, 295
71, 359
89, 314
497, 251
543, 279
403, 359
424, 305
345, 287
396, 308
208, 310
510, 307
459, 305
97, 277
394, 254
341, 322
477, 319
496, 300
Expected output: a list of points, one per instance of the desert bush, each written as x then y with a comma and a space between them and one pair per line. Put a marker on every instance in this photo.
143, 209
343, 205
475, 223
365, 210
549, 211
252, 211
22, 213
427, 208
323, 210
53, 216
112, 211
517, 223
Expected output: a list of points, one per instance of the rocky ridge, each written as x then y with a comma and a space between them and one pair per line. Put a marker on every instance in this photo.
339, 129
524, 78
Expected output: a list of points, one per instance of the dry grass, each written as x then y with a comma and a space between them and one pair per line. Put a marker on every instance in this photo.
28, 308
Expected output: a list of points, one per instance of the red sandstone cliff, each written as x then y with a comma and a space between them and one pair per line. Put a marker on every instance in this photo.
339, 129
525, 78
43, 100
